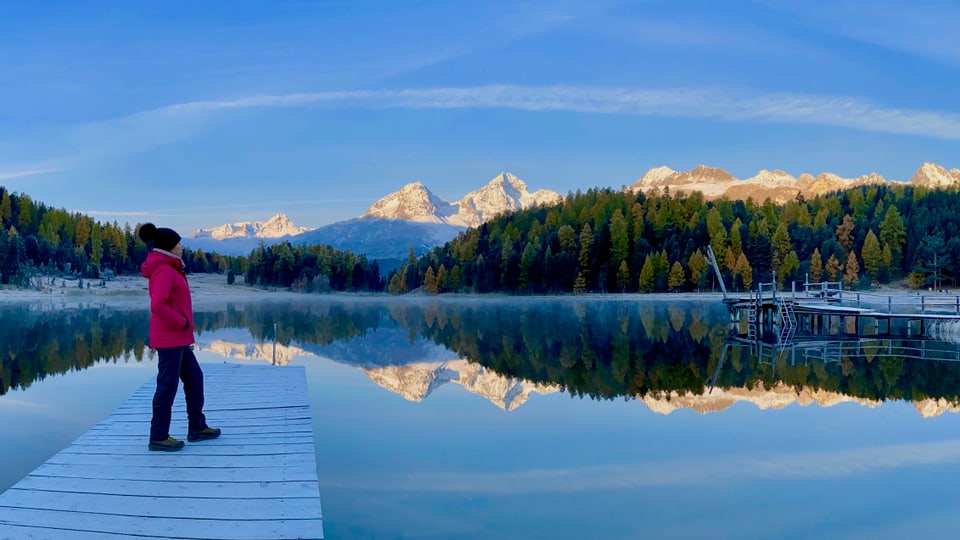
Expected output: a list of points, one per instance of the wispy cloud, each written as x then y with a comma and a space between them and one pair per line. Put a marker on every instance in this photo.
158, 127
804, 466
710, 103
31, 172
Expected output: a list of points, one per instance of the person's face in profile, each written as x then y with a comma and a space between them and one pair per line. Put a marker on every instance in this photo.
177, 250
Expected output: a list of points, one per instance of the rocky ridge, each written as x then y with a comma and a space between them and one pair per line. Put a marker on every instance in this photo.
277, 226
504, 193
777, 185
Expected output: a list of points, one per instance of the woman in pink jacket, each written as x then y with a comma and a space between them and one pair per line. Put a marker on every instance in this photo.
171, 334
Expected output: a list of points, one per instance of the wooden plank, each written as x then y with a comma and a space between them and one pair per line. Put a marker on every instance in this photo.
181, 506
238, 428
296, 473
137, 440
144, 488
65, 523
184, 459
39, 532
258, 480
267, 411
226, 448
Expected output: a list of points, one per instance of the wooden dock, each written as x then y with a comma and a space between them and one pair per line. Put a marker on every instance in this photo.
770, 315
258, 480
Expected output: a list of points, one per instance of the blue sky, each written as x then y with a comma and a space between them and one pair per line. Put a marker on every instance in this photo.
195, 114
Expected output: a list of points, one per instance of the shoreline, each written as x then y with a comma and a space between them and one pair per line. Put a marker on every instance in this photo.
207, 288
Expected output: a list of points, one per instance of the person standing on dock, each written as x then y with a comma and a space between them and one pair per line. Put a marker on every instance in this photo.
171, 335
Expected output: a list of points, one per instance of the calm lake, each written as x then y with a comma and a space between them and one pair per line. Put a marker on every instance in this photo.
595, 417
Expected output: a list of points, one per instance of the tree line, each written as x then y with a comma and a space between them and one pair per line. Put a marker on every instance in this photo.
601, 240
37, 242
606, 240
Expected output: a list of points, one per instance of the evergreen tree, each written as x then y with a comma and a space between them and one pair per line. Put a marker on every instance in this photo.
676, 277
6, 209
893, 233
586, 246
851, 274
623, 277
456, 278
430, 281
872, 255
648, 274
781, 248
833, 268
441, 278
619, 239
816, 266
716, 230
698, 268
845, 233
744, 272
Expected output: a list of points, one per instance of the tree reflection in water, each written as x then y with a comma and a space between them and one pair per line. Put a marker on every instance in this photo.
599, 348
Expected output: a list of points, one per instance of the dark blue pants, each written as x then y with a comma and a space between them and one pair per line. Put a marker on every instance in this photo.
176, 364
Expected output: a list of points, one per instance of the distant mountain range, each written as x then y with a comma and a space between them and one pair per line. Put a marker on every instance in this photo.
414, 217
779, 186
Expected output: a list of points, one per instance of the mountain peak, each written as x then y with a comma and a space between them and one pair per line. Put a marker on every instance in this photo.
277, 226
414, 202
934, 176
507, 179
772, 178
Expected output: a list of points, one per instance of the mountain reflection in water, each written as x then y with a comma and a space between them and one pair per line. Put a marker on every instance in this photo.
668, 355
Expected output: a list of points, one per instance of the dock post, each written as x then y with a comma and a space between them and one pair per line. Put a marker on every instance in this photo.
890, 305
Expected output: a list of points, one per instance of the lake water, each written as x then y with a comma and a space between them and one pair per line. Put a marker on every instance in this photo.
598, 417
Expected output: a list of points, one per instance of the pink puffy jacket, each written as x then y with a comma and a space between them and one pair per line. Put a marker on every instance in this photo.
171, 310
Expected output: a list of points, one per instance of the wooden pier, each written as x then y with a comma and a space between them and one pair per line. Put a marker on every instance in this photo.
258, 480
819, 309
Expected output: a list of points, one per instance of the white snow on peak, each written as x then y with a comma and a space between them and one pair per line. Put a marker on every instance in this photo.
414, 202
779, 396
772, 178
276, 227
504, 193
655, 176
417, 381
279, 354
934, 176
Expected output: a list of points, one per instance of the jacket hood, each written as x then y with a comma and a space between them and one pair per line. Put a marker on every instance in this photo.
156, 260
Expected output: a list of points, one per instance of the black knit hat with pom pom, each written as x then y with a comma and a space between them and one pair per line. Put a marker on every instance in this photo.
162, 238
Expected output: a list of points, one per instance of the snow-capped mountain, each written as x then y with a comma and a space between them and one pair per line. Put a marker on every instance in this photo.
711, 181
278, 354
778, 185
413, 381
504, 193
276, 227
934, 176
417, 381
414, 202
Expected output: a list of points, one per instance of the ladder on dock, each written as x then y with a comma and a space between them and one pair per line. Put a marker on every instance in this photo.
752, 334
789, 322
